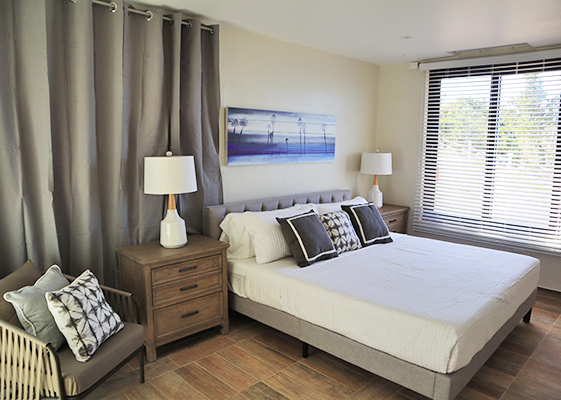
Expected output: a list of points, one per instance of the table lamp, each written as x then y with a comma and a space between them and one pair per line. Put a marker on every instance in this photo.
376, 164
170, 175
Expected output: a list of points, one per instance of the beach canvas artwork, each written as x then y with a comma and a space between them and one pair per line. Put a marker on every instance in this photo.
274, 137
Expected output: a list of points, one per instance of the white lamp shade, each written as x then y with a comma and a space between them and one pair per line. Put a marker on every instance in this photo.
376, 164
169, 175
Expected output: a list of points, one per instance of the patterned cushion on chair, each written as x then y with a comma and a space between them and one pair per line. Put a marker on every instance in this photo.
83, 316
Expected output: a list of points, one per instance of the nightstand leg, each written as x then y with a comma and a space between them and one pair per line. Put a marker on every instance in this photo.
225, 327
151, 353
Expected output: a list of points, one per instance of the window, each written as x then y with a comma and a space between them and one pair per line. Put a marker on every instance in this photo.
491, 154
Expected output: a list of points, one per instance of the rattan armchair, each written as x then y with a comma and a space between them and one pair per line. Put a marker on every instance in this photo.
32, 369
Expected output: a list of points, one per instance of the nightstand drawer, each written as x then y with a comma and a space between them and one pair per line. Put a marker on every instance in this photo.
185, 269
186, 289
395, 223
188, 314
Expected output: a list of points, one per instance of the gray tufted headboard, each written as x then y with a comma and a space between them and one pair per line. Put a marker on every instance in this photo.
213, 215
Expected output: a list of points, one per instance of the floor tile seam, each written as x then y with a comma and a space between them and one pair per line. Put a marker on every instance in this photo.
214, 376
342, 366
154, 388
193, 388
206, 355
326, 377
165, 371
333, 379
522, 368
314, 390
366, 375
277, 350
259, 379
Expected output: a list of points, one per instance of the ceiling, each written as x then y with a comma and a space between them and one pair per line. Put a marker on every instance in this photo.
386, 32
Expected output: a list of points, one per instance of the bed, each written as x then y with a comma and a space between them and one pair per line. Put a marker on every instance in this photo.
389, 331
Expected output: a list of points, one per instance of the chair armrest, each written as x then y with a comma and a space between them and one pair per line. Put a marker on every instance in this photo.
123, 303
29, 367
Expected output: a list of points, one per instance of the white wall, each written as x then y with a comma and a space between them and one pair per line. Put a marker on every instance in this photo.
399, 125
258, 72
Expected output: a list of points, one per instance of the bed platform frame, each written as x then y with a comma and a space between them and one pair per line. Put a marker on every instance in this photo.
429, 383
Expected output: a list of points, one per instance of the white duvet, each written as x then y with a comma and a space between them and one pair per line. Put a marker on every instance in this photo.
429, 302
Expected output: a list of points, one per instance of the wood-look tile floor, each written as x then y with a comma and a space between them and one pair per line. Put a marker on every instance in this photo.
256, 362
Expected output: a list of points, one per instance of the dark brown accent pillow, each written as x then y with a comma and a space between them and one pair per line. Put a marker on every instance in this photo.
26, 275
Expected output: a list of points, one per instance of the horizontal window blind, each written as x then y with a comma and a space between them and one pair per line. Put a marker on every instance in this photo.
491, 154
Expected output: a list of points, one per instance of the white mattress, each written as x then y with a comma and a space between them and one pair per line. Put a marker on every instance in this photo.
429, 302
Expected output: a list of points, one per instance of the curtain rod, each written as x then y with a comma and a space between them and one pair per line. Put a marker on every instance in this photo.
147, 14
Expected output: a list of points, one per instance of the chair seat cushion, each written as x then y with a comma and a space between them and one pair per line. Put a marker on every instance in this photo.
80, 376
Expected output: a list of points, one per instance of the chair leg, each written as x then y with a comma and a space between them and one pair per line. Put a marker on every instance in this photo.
141, 355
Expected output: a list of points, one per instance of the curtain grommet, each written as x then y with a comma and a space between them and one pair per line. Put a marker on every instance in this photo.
112, 6
149, 15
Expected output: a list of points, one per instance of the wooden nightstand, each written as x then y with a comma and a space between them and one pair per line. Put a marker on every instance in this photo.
181, 291
395, 217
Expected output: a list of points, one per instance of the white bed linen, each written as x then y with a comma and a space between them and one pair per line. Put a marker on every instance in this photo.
429, 302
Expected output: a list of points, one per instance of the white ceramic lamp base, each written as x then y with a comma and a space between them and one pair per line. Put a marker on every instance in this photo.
376, 196
172, 230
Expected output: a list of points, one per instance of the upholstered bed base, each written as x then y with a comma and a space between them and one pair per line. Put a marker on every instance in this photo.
432, 384
426, 382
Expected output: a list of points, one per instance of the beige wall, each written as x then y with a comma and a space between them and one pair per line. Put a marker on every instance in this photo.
258, 72
400, 102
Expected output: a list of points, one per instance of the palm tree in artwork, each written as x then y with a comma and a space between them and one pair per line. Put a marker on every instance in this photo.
304, 133
243, 122
234, 122
300, 122
323, 128
273, 120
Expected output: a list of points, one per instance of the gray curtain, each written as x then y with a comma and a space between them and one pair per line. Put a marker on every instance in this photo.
86, 95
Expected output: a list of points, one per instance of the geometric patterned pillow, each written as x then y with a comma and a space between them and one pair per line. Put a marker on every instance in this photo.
340, 229
83, 316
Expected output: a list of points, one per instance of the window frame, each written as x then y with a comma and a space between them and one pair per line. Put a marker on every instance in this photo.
428, 174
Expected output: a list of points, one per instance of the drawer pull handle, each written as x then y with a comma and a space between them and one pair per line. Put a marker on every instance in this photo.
189, 314
391, 221
189, 287
188, 269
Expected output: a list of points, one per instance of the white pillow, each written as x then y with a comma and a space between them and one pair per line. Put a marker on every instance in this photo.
233, 227
266, 233
323, 208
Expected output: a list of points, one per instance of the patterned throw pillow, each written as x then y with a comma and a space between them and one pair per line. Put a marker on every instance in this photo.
83, 316
340, 229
